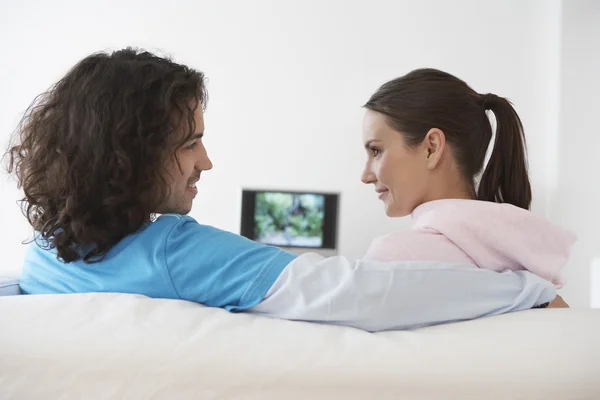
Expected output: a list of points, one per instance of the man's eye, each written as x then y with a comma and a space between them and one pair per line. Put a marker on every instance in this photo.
191, 146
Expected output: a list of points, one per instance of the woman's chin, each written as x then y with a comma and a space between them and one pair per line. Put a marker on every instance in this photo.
396, 212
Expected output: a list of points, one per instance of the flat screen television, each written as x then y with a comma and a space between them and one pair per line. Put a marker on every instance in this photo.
290, 219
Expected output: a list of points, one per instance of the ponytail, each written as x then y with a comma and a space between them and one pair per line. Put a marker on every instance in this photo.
505, 179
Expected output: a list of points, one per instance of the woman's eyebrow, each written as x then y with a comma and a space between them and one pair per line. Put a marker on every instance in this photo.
369, 142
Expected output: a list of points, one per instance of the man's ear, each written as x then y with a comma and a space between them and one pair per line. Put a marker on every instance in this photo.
434, 146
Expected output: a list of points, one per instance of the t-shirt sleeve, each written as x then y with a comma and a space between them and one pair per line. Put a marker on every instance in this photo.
220, 269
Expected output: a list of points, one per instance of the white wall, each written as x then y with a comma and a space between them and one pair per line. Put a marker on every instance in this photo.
287, 79
576, 198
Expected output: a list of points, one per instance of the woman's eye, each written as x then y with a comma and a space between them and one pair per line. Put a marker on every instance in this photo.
375, 152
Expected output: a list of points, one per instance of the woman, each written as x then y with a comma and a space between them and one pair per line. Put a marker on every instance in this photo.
427, 134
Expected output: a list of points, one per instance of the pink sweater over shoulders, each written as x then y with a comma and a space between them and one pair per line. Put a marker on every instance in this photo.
489, 235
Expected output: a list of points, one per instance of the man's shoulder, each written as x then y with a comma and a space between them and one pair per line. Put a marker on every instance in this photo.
168, 224
173, 219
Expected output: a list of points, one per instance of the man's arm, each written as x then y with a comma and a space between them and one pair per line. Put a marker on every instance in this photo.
378, 296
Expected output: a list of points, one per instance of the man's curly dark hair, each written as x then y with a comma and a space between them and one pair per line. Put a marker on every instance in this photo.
90, 154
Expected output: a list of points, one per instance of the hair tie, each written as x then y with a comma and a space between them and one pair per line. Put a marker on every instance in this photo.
488, 100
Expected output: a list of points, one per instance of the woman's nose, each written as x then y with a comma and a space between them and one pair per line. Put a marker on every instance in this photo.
367, 177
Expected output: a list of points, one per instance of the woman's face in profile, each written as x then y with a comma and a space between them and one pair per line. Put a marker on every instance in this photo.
399, 173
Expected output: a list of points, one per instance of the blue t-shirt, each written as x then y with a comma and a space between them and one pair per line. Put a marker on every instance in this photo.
173, 257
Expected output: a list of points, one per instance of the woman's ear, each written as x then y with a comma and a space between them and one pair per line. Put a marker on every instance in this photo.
434, 146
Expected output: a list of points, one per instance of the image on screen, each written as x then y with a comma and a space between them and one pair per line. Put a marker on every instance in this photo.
289, 219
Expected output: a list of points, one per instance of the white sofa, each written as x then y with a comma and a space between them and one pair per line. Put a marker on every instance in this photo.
119, 346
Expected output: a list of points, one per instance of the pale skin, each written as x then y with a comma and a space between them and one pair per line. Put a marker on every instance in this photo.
405, 177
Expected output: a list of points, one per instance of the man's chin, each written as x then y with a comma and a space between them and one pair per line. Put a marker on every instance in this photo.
184, 211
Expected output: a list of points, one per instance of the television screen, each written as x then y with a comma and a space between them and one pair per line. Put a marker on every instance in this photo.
289, 219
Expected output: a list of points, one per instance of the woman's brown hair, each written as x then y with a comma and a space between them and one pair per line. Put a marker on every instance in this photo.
429, 98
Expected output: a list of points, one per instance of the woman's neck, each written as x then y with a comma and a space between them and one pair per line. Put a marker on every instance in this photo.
449, 188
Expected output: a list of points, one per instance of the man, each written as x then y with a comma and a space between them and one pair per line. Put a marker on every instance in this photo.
118, 140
